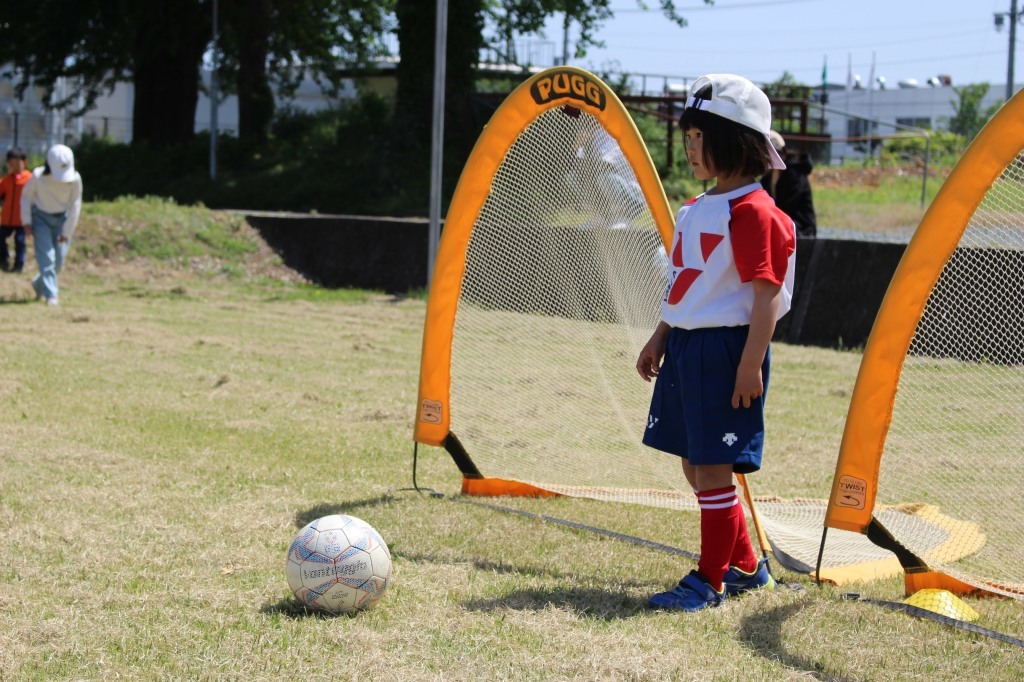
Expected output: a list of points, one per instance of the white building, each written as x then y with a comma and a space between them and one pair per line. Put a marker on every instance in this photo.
308, 97
867, 112
30, 126
849, 113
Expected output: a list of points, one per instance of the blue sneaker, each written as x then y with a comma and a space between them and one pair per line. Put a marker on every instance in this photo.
737, 582
691, 594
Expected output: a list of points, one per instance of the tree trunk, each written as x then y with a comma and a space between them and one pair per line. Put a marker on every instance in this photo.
415, 71
255, 98
415, 74
167, 55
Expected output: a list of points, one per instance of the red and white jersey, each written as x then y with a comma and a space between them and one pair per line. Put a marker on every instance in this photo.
722, 243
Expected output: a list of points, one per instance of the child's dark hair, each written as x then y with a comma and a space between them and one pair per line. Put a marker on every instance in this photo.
732, 148
16, 153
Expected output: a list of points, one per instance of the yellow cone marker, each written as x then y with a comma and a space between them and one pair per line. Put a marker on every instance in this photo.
943, 602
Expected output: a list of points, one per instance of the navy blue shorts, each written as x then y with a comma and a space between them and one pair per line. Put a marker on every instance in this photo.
691, 410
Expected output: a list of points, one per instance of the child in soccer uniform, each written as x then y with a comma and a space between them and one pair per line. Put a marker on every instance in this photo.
731, 279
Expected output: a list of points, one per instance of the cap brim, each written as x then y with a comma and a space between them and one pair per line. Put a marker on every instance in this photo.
777, 161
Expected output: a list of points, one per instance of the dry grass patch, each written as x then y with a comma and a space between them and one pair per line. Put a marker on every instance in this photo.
166, 432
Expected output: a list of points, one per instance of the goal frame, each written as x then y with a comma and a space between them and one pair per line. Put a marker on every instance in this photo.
547, 90
855, 485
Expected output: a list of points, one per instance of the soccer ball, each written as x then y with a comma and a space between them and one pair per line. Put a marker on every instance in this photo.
339, 564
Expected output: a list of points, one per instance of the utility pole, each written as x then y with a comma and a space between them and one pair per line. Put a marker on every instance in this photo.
1013, 16
1013, 45
565, 38
214, 97
437, 136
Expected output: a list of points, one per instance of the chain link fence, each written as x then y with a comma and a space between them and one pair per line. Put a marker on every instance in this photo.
35, 131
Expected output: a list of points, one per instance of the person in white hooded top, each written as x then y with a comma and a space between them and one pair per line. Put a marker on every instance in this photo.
52, 198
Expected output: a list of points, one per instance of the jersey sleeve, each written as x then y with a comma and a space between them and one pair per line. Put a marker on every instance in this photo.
762, 238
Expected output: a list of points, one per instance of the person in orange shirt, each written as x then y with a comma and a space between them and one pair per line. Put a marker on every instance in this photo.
11, 222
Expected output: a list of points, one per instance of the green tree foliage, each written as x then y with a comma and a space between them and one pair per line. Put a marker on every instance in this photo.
370, 157
784, 86
787, 86
969, 118
158, 45
93, 44
466, 22
944, 148
415, 71
277, 42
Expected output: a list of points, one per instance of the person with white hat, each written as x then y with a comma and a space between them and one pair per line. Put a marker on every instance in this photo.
53, 199
731, 279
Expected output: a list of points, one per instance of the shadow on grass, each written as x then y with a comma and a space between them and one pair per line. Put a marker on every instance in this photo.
605, 603
524, 569
294, 609
348, 508
588, 602
16, 288
762, 633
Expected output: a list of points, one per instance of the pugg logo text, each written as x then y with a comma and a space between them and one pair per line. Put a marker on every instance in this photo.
568, 84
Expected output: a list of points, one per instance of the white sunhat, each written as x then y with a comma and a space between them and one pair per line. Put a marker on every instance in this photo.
737, 99
61, 161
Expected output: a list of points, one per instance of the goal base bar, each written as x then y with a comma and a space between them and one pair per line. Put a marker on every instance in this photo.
500, 487
934, 580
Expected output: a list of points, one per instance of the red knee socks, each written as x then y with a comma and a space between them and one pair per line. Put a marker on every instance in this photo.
724, 540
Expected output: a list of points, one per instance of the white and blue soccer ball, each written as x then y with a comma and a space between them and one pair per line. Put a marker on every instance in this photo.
339, 564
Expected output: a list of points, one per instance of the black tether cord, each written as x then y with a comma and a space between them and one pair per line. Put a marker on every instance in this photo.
582, 526
821, 553
415, 454
911, 610
415, 486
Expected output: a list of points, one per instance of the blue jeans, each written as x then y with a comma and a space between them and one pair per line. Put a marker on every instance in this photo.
19, 244
50, 254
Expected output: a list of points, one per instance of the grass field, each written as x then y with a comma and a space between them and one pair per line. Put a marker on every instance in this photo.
874, 200
169, 428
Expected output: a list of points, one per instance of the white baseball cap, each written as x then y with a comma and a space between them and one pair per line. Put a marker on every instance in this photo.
740, 101
61, 161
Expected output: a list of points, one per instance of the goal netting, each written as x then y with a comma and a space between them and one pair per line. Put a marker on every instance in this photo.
548, 283
930, 463
959, 414
562, 287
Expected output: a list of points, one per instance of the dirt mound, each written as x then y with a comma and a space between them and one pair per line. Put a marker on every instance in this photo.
834, 177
